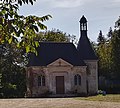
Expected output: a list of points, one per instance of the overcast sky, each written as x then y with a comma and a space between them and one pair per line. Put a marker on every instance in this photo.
101, 14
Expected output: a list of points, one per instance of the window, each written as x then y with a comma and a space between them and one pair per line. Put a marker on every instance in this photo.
77, 79
82, 26
41, 80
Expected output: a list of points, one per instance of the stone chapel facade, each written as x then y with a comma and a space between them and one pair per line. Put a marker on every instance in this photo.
63, 69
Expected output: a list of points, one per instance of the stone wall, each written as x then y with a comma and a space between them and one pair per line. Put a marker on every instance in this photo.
62, 68
92, 76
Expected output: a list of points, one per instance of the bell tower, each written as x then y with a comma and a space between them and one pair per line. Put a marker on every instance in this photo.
84, 46
87, 54
83, 26
83, 34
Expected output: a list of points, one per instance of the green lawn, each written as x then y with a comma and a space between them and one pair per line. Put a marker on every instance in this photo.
107, 98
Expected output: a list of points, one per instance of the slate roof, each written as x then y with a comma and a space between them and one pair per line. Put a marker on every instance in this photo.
85, 49
48, 52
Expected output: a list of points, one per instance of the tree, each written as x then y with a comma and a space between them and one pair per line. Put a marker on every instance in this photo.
101, 38
55, 35
110, 33
115, 43
16, 31
117, 23
109, 59
104, 54
13, 72
19, 29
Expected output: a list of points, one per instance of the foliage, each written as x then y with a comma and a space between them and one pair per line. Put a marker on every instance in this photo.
109, 60
18, 29
110, 33
13, 72
115, 43
17, 33
117, 23
20, 2
101, 38
104, 53
55, 35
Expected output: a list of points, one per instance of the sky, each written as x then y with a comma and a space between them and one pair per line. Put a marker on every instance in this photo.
100, 14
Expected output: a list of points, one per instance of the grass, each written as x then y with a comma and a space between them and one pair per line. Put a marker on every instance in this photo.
107, 98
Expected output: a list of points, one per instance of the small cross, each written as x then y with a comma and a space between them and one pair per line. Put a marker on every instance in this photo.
59, 62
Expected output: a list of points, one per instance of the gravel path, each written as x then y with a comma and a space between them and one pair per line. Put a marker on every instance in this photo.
55, 103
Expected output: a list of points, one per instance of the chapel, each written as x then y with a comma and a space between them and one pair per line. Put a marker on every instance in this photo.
62, 69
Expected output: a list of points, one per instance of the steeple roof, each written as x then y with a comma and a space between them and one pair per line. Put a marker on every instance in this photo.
84, 47
83, 19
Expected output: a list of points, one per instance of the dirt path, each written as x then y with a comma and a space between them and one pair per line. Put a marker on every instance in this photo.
55, 103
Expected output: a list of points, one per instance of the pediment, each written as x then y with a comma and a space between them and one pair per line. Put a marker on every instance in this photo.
60, 62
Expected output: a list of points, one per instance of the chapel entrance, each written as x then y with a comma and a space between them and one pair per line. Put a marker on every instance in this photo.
60, 85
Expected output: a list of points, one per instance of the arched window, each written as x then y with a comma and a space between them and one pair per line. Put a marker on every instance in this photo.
77, 79
41, 80
85, 26
82, 26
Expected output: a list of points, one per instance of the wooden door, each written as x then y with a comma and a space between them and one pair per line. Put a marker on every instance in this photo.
60, 85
